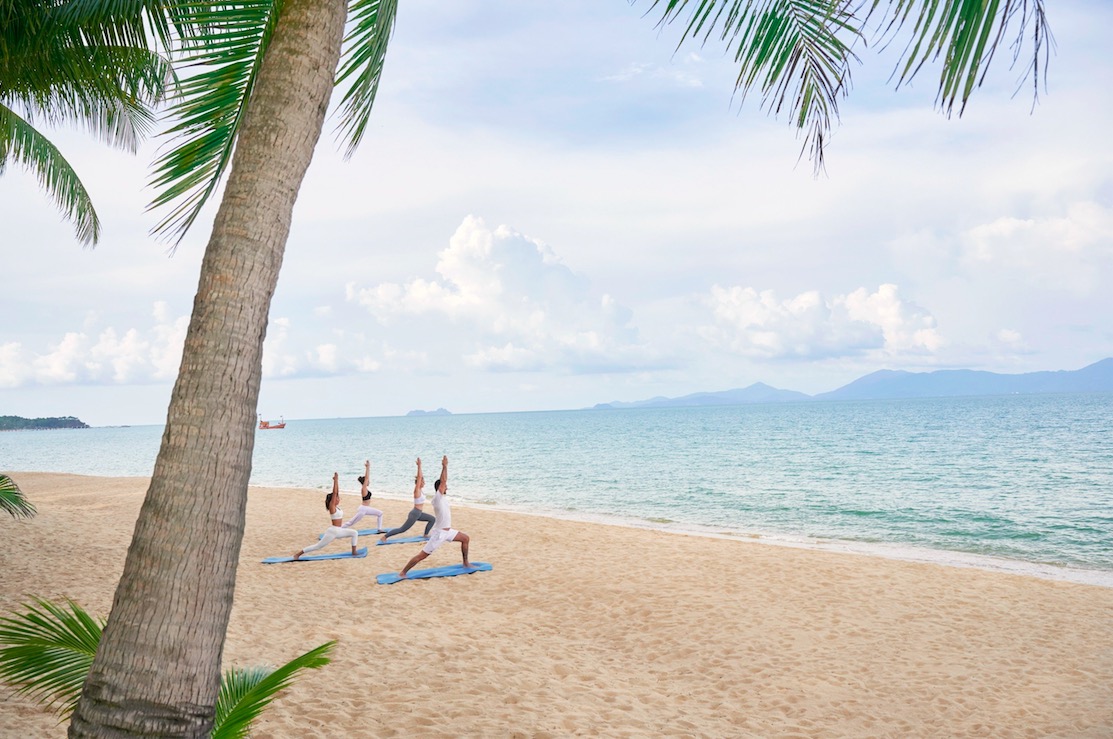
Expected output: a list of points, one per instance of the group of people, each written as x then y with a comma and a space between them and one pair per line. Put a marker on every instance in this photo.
438, 527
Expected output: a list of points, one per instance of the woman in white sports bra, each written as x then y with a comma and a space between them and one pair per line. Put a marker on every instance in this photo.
365, 495
336, 517
416, 514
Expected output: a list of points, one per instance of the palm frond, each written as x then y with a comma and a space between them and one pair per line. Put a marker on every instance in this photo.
110, 92
372, 23
13, 500
796, 52
965, 35
244, 693
22, 143
115, 22
63, 67
46, 652
226, 49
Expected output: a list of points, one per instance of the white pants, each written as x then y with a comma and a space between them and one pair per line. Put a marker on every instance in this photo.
333, 533
439, 536
366, 510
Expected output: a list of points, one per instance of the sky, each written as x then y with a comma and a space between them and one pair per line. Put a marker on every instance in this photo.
554, 207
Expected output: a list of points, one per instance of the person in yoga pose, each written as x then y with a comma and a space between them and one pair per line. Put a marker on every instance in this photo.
336, 517
416, 514
443, 531
365, 494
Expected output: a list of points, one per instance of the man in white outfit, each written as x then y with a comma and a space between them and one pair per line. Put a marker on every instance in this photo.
442, 529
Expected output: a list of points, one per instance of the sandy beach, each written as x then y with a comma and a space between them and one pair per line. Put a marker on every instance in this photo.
595, 630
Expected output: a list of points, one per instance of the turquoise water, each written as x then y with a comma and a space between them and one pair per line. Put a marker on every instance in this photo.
992, 481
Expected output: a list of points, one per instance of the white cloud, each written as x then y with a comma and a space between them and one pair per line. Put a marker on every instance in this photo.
508, 357
810, 325
669, 74
1065, 251
1009, 343
125, 357
326, 358
96, 357
906, 328
277, 361
367, 364
13, 365
169, 338
527, 309
405, 358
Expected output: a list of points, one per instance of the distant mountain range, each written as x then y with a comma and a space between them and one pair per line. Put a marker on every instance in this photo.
1095, 378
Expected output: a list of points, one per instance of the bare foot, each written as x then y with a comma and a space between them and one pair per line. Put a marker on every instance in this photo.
402, 576
467, 566
297, 556
382, 540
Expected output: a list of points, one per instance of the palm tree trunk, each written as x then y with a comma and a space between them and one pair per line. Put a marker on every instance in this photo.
157, 670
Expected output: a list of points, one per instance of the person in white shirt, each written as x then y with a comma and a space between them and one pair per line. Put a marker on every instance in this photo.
442, 531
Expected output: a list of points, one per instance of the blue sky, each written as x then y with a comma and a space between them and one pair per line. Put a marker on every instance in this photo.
555, 207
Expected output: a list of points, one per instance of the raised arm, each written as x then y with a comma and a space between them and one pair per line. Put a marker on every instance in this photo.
334, 503
366, 478
444, 473
418, 480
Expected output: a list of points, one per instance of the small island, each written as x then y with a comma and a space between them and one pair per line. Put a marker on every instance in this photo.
438, 412
18, 423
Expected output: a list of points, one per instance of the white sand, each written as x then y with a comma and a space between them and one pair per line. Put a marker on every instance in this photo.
587, 629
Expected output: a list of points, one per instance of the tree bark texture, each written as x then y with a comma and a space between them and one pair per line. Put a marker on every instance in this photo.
157, 670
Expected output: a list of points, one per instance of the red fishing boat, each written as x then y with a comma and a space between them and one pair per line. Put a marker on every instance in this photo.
268, 425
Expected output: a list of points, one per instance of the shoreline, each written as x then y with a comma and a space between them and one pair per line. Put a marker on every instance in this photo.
615, 632
886, 550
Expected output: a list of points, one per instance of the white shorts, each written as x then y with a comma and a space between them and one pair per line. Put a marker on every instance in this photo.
438, 537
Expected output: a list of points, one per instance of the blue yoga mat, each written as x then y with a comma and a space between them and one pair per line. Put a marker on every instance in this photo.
390, 578
361, 552
361, 532
403, 540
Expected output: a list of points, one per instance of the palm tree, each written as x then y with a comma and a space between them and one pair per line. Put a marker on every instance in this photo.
258, 112
161, 650
13, 500
46, 653
61, 64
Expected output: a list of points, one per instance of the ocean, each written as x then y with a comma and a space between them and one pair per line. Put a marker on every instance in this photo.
1020, 483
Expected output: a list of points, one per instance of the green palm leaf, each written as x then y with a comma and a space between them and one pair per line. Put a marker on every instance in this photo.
47, 652
22, 143
13, 500
965, 35
124, 22
372, 23
245, 693
108, 91
226, 49
796, 52
63, 64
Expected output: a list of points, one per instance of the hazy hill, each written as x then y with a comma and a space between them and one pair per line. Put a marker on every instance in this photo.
18, 423
1095, 378
759, 392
